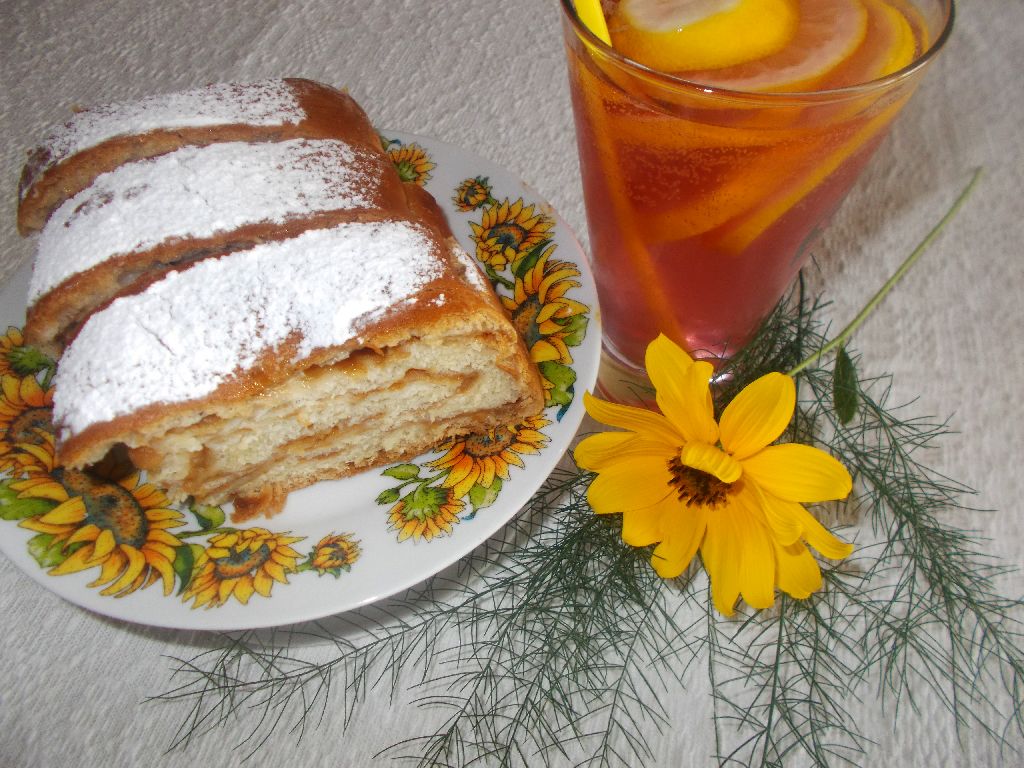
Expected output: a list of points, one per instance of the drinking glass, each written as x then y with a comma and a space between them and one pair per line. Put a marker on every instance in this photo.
702, 202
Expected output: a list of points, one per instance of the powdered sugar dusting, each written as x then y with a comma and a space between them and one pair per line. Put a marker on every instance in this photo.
196, 192
473, 272
268, 102
187, 334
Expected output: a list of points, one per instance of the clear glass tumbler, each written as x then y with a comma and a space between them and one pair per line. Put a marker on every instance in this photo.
702, 201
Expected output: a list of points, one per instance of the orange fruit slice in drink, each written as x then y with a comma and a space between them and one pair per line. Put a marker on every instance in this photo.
746, 231
892, 45
827, 33
722, 189
677, 35
893, 42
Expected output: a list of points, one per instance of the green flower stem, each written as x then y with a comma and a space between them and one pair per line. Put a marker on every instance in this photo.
496, 278
51, 370
850, 329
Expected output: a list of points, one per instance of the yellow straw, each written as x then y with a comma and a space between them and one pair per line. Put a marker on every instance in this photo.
592, 16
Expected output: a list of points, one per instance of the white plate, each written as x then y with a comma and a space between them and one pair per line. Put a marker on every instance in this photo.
359, 508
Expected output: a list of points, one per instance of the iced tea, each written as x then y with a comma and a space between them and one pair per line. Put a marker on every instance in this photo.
706, 184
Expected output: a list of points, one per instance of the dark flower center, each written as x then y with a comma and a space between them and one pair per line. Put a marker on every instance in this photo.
108, 506
240, 562
525, 320
697, 487
26, 425
480, 446
472, 194
336, 554
508, 235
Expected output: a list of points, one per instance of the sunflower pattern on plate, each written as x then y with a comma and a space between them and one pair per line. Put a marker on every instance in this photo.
411, 160
109, 522
514, 245
428, 500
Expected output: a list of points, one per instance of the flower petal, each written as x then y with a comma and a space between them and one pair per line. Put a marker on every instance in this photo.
712, 460
642, 527
597, 451
790, 522
758, 415
633, 483
721, 562
796, 570
66, 513
244, 590
105, 544
683, 532
756, 552
165, 569
783, 517
638, 420
796, 472
77, 561
683, 390
275, 571
110, 569
822, 539
135, 567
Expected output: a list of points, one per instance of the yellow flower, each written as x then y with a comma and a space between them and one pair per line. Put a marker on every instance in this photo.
240, 563
508, 232
121, 527
472, 193
334, 553
10, 342
18, 359
686, 482
412, 162
479, 458
427, 512
26, 429
540, 310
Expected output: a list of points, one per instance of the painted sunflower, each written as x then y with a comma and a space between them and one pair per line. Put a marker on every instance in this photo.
686, 482
335, 553
479, 458
10, 345
508, 232
18, 359
413, 163
122, 528
26, 426
427, 512
240, 563
541, 311
472, 194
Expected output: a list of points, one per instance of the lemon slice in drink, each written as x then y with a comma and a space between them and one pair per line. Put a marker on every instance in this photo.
679, 35
901, 44
827, 34
893, 41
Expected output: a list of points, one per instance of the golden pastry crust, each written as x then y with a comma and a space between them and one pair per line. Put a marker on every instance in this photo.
46, 182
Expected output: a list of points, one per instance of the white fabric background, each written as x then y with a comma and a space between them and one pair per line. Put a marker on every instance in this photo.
490, 77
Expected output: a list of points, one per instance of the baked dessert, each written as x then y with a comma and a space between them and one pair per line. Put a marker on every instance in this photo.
251, 358
99, 139
142, 218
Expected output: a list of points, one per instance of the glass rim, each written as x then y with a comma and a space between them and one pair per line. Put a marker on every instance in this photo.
828, 94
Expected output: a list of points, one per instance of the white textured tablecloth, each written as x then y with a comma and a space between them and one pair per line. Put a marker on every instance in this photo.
490, 77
